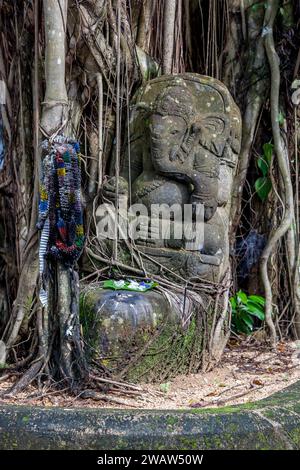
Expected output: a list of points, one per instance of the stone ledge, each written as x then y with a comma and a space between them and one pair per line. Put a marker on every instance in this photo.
272, 423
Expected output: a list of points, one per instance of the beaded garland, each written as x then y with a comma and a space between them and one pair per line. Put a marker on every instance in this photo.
60, 200
60, 210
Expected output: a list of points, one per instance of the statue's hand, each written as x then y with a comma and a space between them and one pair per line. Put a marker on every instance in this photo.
209, 211
109, 189
210, 207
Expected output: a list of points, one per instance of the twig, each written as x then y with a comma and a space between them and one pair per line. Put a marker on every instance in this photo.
4, 377
237, 395
118, 383
103, 397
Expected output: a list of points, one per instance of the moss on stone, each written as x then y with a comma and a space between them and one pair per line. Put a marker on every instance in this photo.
264, 427
154, 351
168, 355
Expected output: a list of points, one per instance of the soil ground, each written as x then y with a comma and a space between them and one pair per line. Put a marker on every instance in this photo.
247, 372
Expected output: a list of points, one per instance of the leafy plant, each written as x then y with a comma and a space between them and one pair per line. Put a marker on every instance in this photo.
256, 6
165, 387
280, 118
286, 12
244, 310
263, 184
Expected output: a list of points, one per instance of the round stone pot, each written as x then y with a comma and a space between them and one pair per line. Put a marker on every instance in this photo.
137, 334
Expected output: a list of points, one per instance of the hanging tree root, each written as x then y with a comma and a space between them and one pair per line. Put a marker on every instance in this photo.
271, 12
256, 89
58, 358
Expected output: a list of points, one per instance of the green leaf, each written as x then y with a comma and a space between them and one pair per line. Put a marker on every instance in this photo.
232, 301
257, 5
263, 186
247, 319
255, 310
109, 284
280, 118
240, 327
242, 297
165, 387
131, 285
263, 166
257, 299
268, 150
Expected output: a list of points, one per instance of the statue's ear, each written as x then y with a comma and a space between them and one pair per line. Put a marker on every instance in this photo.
213, 132
208, 126
213, 123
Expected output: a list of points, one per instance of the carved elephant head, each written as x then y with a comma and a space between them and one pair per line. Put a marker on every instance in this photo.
186, 128
180, 137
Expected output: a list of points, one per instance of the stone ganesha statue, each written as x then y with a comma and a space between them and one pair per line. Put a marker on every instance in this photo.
184, 144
